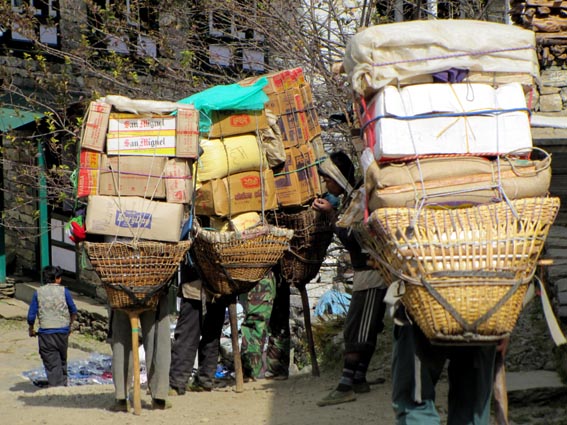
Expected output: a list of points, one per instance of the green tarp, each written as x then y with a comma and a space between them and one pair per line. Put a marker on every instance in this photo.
232, 97
13, 118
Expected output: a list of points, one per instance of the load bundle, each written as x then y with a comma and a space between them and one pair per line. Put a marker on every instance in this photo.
297, 182
457, 196
235, 186
135, 164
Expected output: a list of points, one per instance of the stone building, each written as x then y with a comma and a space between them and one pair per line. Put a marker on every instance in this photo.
56, 56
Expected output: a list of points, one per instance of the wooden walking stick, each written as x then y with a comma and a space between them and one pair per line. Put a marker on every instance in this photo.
308, 330
134, 324
239, 375
500, 392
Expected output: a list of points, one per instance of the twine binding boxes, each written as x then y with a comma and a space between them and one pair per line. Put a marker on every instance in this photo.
466, 270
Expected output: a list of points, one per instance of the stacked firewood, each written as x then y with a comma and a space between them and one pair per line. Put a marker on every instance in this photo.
548, 19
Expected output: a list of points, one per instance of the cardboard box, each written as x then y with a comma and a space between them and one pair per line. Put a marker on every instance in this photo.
119, 123
187, 133
448, 119
275, 82
311, 112
133, 216
236, 194
133, 176
298, 183
178, 181
276, 103
312, 173
229, 123
96, 124
298, 76
89, 171
293, 128
293, 120
146, 143
302, 116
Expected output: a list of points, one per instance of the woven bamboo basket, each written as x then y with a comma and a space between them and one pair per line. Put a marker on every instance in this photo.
312, 234
135, 274
466, 270
232, 263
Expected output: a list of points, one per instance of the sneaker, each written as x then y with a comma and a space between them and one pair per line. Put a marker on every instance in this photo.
174, 391
120, 406
361, 387
274, 376
337, 397
160, 404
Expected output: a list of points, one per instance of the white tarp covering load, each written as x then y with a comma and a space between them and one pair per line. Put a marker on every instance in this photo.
390, 53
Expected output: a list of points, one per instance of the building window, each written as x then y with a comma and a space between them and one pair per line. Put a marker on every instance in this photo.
127, 27
253, 60
221, 55
233, 39
33, 20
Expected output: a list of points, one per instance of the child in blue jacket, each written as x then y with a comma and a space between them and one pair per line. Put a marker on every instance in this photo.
53, 305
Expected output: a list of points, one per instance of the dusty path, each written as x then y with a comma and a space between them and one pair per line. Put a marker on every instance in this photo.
290, 402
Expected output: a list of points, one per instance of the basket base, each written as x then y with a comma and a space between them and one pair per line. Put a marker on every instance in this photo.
472, 303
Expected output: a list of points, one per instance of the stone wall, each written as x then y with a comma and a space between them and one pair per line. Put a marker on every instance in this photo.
20, 208
92, 324
553, 91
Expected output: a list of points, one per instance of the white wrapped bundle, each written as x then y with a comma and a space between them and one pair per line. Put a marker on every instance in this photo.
390, 53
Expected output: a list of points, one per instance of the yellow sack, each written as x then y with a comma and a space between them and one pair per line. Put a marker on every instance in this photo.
230, 155
238, 222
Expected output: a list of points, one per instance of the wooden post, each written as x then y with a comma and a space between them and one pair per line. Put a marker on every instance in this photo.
134, 322
500, 392
308, 330
235, 346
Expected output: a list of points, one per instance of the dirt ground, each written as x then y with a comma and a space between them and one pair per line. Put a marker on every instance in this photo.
291, 402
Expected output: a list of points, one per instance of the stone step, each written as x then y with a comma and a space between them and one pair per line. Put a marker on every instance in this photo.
534, 387
532, 380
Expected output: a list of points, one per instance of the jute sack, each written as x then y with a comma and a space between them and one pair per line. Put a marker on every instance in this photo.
230, 155
238, 222
458, 183
396, 174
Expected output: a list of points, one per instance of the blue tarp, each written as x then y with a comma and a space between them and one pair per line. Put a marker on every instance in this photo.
333, 302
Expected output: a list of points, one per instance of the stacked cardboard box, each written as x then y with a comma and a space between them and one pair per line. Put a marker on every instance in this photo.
232, 173
291, 100
135, 170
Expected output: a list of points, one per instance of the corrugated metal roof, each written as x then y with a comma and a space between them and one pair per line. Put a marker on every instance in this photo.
13, 118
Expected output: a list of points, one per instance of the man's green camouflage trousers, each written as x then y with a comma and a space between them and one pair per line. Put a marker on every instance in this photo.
266, 309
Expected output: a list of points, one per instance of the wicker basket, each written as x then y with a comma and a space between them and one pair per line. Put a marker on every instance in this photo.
312, 234
232, 263
135, 274
465, 270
